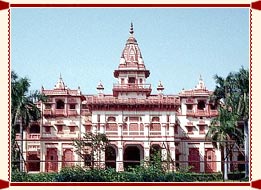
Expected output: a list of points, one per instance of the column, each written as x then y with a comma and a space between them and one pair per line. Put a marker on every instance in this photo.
172, 155
60, 155
146, 153
120, 129
42, 156
102, 128
94, 128
202, 156
119, 158
171, 129
163, 129
146, 129
218, 159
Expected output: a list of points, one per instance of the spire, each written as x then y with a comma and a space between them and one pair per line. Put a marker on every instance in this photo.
131, 29
160, 88
60, 84
131, 57
201, 84
100, 89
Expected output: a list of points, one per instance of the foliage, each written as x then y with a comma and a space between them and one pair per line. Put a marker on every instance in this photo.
138, 174
23, 110
232, 96
39, 177
93, 145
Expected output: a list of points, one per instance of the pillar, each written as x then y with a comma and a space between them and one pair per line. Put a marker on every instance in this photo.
218, 160
119, 158
60, 155
42, 156
202, 156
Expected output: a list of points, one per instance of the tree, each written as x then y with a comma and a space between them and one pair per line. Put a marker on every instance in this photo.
232, 96
23, 108
222, 132
91, 148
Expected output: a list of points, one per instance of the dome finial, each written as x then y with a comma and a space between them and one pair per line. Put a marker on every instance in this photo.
131, 28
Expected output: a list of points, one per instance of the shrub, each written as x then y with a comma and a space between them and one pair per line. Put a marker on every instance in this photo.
137, 174
17, 176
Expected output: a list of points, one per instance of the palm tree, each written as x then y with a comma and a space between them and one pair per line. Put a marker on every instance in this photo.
222, 131
23, 107
232, 95
242, 81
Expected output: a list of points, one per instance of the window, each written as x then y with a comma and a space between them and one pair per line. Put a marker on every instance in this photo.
131, 80
88, 160
60, 128
141, 81
176, 129
84, 106
201, 105
189, 107
59, 104
122, 80
190, 129
72, 106
213, 106
48, 106
202, 129
47, 129
34, 129
72, 129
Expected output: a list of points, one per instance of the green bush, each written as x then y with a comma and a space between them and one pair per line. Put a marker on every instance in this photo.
137, 174
39, 177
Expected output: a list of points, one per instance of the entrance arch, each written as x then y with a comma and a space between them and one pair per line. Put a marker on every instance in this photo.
155, 152
33, 164
110, 157
132, 156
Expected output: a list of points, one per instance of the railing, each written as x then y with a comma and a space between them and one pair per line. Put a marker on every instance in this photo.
190, 113
60, 112
213, 113
72, 112
201, 113
131, 86
33, 136
30, 136
17, 136
149, 101
47, 112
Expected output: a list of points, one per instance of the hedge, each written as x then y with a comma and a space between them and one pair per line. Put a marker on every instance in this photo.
78, 174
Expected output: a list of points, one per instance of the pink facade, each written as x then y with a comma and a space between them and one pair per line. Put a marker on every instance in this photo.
136, 122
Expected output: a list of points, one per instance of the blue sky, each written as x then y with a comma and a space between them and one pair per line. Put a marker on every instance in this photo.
85, 45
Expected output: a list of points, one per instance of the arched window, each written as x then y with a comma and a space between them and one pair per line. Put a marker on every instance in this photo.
60, 104
201, 105
34, 129
88, 160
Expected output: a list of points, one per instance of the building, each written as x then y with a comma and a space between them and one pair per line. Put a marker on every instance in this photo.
136, 121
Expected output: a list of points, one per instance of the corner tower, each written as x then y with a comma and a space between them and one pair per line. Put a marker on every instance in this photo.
131, 72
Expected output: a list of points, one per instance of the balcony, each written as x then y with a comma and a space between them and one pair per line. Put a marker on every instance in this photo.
60, 112
190, 113
201, 113
33, 136
47, 112
30, 136
131, 87
213, 113
72, 112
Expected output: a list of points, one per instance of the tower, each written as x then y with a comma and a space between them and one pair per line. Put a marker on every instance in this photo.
131, 72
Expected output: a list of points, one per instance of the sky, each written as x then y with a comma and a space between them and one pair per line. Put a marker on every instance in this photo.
84, 45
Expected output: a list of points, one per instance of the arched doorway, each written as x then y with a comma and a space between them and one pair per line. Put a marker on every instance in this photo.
33, 164
110, 157
68, 158
155, 153
132, 156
